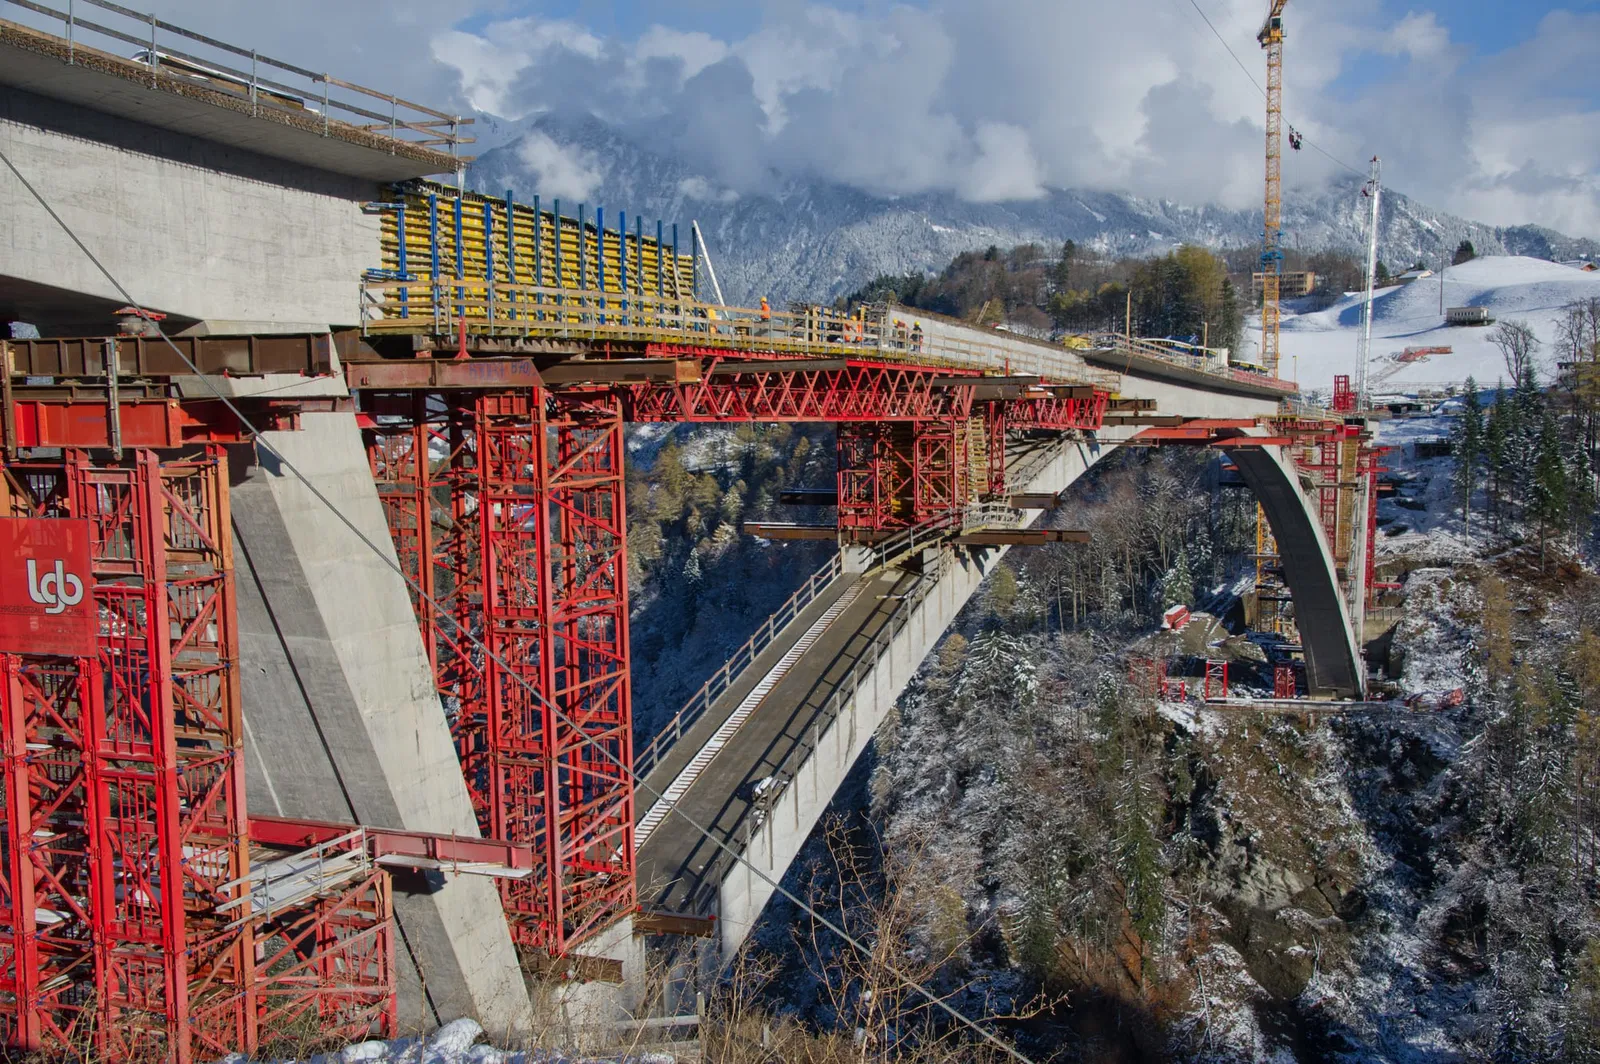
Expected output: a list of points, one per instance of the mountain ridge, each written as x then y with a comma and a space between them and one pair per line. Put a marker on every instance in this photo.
799, 238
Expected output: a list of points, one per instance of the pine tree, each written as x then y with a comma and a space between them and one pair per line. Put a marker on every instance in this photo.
1465, 252
1582, 497
1177, 586
1467, 445
1496, 446
1550, 493
1231, 322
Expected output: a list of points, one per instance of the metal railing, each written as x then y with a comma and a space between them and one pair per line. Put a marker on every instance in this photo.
264, 83
1117, 343
497, 308
735, 666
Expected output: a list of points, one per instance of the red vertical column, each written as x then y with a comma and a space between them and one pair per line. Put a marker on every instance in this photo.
134, 814
19, 949
994, 425
876, 475
164, 760
514, 543
591, 735
940, 471
534, 563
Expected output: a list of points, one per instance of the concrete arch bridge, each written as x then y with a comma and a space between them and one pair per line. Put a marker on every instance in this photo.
392, 701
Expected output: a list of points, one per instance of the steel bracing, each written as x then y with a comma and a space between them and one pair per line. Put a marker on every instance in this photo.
125, 924
532, 561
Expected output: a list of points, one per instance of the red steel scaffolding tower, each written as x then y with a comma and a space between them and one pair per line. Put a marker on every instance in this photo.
508, 510
126, 929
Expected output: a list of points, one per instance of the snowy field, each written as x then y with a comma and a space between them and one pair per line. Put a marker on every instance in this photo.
1318, 345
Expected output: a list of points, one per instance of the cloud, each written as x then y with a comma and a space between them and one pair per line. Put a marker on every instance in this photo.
563, 172
991, 101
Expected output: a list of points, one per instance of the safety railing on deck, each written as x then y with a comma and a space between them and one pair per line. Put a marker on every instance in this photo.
95, 33
1119, 344
495, 308
734, 667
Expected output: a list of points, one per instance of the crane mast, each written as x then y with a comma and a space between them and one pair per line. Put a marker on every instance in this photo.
1271, 38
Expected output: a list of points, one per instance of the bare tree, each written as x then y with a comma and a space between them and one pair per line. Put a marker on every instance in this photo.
1517, 343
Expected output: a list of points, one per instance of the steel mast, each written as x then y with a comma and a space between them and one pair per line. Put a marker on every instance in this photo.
1271, 38
1373, 191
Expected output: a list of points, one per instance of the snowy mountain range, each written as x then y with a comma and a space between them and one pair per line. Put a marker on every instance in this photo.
802, 238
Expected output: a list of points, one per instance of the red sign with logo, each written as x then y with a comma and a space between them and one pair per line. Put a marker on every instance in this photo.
47, 601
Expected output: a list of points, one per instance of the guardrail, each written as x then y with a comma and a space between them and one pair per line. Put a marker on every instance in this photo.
266, 84
500, 308
734, 667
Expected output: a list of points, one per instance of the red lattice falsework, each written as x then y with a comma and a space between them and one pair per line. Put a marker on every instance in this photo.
899, 473
770, 391
1216, 680
508, 510
1344, 396
126, 931
1285, 684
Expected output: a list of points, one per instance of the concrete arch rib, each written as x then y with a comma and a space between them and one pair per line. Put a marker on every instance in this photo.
1333, 658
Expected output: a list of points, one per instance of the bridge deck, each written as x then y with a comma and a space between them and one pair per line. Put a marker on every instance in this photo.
680, 753
674, 862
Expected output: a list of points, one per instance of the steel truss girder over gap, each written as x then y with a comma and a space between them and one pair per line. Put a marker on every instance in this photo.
748, 391
508, 509
125, 926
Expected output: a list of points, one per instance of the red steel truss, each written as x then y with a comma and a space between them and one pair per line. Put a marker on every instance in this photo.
792, 391
125, 924
534, 563
1083, 409
137, 781
1216, 680
1370, 465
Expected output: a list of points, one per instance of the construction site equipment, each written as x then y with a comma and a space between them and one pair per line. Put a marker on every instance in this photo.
132, 922
1216, 680
446, 238
535, 558
1271, 38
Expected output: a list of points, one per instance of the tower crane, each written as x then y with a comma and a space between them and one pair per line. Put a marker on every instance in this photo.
1271, 38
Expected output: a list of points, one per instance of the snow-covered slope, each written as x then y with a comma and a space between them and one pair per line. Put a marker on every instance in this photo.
1321, 344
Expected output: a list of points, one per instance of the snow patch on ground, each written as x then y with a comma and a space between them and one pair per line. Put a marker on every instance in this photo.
454, 1043
1317, 345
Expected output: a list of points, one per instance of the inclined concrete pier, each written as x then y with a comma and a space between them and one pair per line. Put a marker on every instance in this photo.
342, 721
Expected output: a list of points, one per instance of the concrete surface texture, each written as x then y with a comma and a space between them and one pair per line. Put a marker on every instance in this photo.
115, 85
342, 721
1333, 655
235, 235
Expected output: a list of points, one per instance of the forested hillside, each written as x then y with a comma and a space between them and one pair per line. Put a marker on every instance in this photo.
1108, 877
700, 586
1184, 294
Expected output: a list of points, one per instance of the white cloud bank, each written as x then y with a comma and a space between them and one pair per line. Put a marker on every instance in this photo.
990, 100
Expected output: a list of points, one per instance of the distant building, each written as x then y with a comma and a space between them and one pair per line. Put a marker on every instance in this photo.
1291, 285
1410, 276
1586, 265
1468, 316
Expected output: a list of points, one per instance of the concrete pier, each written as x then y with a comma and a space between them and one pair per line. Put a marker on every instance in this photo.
342, 721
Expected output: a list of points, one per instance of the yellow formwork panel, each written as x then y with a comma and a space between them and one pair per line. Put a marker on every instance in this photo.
450, 236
